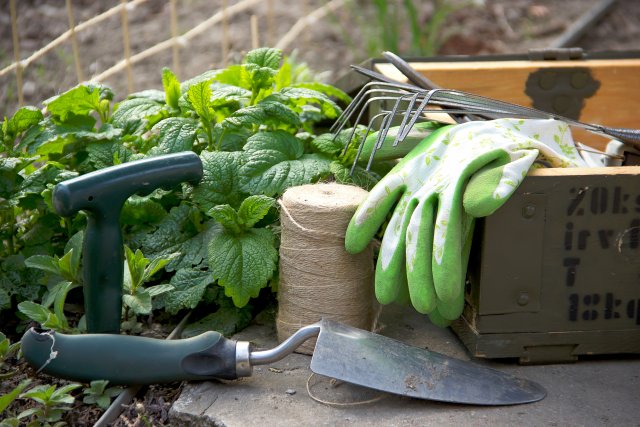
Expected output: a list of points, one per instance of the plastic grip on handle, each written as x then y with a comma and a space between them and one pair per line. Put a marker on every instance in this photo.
126, 359
102, 194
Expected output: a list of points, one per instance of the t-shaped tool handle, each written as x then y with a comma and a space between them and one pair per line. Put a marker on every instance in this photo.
102, 194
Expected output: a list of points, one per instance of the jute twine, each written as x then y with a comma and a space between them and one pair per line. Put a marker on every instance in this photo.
318, 278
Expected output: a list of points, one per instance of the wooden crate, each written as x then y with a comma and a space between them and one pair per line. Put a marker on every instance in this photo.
555, 272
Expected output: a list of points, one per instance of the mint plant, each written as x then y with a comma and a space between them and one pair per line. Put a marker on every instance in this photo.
51, 403
258, 129
99, 394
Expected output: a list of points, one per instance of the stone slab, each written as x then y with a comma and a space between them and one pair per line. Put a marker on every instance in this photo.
603, 391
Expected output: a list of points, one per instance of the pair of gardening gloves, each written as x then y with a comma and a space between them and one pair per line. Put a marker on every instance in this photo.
454, 175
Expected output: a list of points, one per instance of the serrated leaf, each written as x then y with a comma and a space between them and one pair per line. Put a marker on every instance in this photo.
299, 96
137, 115
22, 120
272, 114
141, 210
242, 264
226, 216
171, 87
49, 131
220, 183
264, 57
153, 94
360, 176
235, 75
328, 143
174, 135
104, 154
326, 89
34, 311
253, 209
206, 76
176, 233
189, 287
199, 96
81, 100
276, 161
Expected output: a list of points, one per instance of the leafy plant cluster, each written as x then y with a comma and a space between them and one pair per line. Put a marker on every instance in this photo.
257, 130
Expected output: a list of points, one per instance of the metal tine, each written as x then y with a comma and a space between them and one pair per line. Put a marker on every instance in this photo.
365, 91
386, 121
404, 131
359, 117
364, 139
384, 129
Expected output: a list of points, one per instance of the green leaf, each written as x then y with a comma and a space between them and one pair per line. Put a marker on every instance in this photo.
22, 120
5, 298
242, 264
171, 87
276, 161
34, 311
139, 210
140, 303
226, 216
44, 262
107, 153
81, 100
6, 399
253, 209
174, 135
272, 114
135, 263
156, 290
153, 94
227, 320
328, 143
264, 57
48, 131
220, 183
360, 176
137, 115
326, 89
189, 286
199, 96
206, 76
58, 305
177, 233
299, 96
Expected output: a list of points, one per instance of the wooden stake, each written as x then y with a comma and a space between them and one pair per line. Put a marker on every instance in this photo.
225, 34
74, 42
16, 50
271, 23
174, 35
127, 46
255, 39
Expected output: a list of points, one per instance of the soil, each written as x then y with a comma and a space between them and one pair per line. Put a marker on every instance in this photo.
328, 46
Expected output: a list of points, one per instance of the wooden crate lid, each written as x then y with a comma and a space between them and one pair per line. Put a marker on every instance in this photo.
616, 103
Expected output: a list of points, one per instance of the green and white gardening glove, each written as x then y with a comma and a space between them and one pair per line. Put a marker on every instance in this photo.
426, 244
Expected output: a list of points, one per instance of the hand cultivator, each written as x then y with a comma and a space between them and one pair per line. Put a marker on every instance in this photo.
423, 100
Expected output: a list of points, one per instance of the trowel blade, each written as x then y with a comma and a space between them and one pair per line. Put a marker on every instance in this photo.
375, 361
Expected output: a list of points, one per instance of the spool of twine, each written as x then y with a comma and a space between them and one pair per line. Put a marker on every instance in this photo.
318, 278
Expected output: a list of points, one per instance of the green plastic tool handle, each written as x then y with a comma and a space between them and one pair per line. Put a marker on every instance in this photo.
126, 359
102, 194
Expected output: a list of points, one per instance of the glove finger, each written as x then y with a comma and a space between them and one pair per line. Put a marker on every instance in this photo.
390, 277
436, 318
453, 309
419, 243
490, 187
447, 248
372, 212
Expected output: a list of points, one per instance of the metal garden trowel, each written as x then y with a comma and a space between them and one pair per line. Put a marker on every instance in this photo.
342, 352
